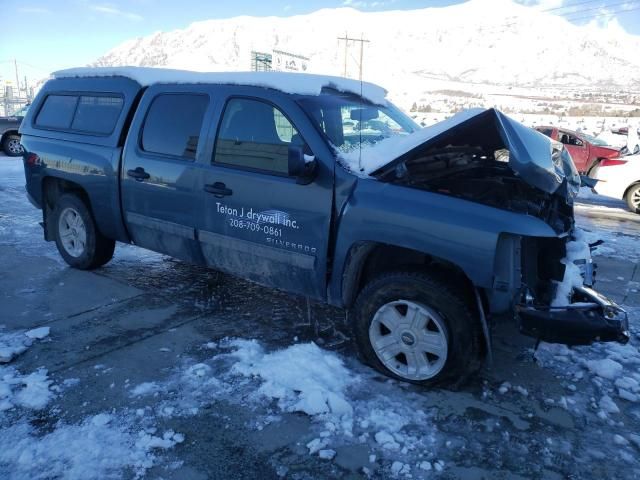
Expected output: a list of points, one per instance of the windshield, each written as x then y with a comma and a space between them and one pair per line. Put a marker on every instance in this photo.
349, 121
595, 140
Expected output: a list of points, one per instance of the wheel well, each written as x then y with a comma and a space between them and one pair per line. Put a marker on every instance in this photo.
634, 184
369, 259
8, 132
52, 189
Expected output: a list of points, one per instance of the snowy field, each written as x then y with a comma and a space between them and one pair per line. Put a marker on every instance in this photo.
151, 368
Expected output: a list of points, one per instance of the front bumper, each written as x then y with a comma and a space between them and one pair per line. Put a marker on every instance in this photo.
593, 318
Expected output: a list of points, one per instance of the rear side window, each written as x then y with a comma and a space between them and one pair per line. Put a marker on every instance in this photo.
97, 114
173, 124
57, 111
93, 114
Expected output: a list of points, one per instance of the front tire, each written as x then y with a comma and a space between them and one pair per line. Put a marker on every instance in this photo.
632, 197
79, 242
416, 328
11, 145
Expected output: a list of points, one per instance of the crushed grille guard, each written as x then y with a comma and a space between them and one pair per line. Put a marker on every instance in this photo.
596, 319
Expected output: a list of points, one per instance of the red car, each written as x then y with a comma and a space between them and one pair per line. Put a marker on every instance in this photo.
586, 151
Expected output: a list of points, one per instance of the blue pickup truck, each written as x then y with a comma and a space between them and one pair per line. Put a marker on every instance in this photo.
321, 187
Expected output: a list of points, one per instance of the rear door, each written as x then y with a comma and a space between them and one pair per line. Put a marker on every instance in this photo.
160, 176
257, 222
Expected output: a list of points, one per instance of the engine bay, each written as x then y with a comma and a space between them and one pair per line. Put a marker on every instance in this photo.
483, 176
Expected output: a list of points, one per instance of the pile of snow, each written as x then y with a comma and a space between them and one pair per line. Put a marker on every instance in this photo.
102, 446
29, 391
577, 250
297, 83
145, 388
303, 378
16, 390
614, 369
13, 344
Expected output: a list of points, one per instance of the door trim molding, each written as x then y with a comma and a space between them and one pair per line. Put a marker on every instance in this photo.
162, 225
295, 259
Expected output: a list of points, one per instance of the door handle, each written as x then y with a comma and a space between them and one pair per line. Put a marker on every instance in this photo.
139, 174
219, 189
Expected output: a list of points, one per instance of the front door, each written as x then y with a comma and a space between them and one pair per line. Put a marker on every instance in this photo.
578, 150
160, 176
258, 223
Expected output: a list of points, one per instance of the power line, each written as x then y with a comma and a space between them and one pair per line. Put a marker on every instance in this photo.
618, 4
622, 11
572, 5
568, 16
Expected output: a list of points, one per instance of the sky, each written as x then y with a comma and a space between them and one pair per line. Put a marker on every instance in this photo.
43, 36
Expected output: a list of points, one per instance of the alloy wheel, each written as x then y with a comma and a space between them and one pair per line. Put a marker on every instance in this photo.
410, 339
73, 233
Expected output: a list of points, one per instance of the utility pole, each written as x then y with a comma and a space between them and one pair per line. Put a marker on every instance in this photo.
346, 51
15, 64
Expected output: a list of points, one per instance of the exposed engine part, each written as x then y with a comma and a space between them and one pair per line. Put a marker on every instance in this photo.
473, 173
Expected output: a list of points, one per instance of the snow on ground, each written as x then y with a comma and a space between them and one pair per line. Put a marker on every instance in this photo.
99, 447
102, 446
15, 343
28, 391
592, 211
337, 398
17, 390
612, 369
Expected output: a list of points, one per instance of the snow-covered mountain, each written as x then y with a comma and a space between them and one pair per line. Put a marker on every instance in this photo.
497, 42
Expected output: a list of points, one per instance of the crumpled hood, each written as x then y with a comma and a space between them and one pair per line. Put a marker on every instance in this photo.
538, 160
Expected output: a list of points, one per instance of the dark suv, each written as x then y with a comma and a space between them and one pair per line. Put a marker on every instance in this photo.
9, 136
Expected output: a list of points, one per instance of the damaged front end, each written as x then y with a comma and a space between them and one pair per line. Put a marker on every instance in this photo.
486, 157
557, 303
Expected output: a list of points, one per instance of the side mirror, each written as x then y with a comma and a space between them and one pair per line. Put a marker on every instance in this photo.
303, 167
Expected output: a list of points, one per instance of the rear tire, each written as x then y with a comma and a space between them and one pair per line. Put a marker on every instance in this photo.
79, 242
435, 338
11, 145
632, 197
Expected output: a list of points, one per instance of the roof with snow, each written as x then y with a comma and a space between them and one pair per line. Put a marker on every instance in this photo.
297, 83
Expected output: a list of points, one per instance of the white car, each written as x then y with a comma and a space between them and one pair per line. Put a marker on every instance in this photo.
620, 178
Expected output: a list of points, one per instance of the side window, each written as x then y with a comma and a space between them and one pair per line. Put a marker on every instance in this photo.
57, 111
255, 134
173, 124
97, 114
546, 131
